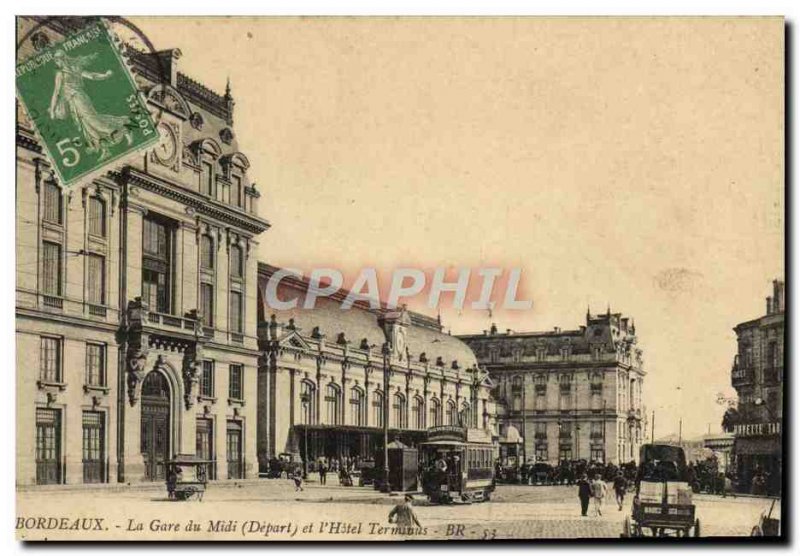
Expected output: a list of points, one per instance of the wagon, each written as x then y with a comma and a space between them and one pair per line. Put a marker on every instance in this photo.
187, 476
662, 505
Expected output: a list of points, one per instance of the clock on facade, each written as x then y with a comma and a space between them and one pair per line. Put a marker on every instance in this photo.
167, 149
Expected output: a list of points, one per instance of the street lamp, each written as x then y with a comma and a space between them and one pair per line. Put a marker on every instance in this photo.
305, 399
385, 353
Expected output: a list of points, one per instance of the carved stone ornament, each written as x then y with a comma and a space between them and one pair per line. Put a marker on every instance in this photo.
137, 358
226, 135
52, 397
192, 361
196, 119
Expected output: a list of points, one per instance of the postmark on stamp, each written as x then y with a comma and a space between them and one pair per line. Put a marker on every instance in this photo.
84, 103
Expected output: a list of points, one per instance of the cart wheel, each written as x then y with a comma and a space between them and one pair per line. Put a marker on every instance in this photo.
696, 527
626, 528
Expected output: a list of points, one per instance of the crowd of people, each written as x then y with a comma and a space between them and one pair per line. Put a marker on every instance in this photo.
565, 473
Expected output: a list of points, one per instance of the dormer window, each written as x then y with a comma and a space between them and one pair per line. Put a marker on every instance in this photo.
208, 179
237, 194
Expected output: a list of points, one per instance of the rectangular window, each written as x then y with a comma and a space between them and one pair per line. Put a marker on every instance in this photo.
235, 378
96, 280
156, 265
207, 303
238, 194
236, 312
207, 187
95, 364
97, 217
50, 360
236, 261
207, 380
204, 445
51, 209
94, 464
48, 446
51, 268
234, 450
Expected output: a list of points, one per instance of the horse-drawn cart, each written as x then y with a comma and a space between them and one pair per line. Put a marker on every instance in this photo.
662, 505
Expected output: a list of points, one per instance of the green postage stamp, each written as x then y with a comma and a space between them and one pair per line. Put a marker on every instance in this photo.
84, 103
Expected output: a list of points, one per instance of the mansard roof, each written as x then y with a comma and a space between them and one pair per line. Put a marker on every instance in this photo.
359, 325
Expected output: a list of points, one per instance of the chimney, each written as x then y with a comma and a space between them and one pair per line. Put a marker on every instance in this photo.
168, 64
769, 305
777, 295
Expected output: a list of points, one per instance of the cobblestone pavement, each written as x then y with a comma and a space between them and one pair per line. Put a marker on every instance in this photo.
272, 510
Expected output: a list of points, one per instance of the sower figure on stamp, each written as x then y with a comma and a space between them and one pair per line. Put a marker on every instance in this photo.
584, 493
100, 131
403, 514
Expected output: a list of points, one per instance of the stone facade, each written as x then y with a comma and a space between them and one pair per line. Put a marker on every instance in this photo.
757, 376
321, 378
136, 297
570, 394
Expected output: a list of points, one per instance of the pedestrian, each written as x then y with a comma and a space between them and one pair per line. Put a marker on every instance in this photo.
584, 493
727, 489
620, 486
298, 480
323, 470
403, 513
599, 490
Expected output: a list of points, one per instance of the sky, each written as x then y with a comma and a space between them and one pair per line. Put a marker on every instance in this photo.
635, 164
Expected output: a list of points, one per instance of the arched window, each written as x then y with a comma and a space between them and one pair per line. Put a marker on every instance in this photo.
399, 411
206, 252
237, 270
452, 413
97, 216
357, 407
308, 402
435, 413
377, 408
418, 413
332, 405
466, 415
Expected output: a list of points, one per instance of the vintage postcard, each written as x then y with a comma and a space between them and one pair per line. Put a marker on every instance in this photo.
400, 279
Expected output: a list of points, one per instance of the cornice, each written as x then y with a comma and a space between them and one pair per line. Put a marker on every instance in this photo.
199, 203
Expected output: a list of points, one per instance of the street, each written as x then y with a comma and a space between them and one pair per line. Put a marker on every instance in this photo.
272, 510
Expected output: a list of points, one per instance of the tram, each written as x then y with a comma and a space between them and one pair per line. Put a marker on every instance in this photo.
457, 464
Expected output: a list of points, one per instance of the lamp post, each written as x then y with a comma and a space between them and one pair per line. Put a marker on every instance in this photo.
305, 399
605, 461
385, 353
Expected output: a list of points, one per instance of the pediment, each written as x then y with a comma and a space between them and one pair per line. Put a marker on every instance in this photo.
293, 340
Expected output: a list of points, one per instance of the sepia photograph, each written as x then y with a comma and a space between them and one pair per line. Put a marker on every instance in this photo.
395, 278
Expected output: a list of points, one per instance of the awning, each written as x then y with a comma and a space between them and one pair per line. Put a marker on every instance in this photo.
511, 436
757, 446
